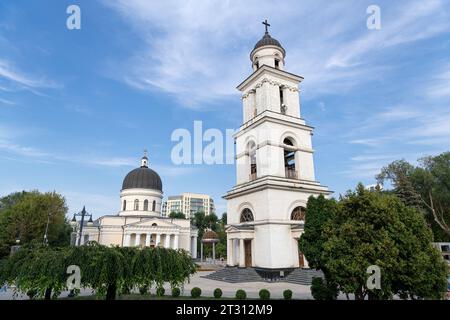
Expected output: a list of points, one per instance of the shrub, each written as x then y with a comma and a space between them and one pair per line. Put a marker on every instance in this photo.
160, 291
241, 294
196, 292
287, 294
264, 294
175, 292
217, 293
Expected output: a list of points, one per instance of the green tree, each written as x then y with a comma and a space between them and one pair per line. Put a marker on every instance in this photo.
372, 228
319, 212
177, 215
37, 268
24, 216
425, 187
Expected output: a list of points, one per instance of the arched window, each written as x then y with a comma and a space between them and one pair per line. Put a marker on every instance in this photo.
124, 205
154, 225
154, 205
145, 205
136, 205
252, 155
246, 215
299, 213
289, 159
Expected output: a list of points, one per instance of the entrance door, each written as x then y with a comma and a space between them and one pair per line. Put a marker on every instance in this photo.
248, 252
301, 260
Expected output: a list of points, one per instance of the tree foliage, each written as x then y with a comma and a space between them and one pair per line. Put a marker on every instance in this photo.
425, 187
107, 270
373, 228
24, 216
177, 215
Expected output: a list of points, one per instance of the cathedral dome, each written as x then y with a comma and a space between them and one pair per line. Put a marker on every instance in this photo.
267, 40
142, 178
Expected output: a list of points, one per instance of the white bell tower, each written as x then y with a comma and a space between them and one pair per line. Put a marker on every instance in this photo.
275, 169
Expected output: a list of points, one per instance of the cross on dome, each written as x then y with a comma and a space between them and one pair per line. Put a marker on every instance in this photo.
266, 24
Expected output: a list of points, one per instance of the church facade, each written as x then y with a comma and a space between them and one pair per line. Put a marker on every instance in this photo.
274, 167
139, 221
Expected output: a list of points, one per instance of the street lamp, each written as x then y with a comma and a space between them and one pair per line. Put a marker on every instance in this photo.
82, 214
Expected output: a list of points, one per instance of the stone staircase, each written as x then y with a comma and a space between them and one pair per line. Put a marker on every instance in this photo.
303, 276
234, 275
238, 275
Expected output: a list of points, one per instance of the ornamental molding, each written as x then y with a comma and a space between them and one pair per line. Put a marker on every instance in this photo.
260, 83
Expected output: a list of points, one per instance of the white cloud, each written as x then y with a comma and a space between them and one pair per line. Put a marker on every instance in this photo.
440, 85
198, 51
12, 75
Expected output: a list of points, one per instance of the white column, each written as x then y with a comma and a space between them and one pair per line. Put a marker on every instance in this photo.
241, 253
175, 244
167, 245
158, 239
195, 248
230, 252
147, 239
127, 240
138, 239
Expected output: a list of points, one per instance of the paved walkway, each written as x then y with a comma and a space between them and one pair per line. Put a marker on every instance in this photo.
208, 286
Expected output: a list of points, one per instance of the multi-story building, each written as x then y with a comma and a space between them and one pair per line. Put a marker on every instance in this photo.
189, 204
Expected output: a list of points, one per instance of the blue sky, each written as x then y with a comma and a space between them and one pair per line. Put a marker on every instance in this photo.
77, 107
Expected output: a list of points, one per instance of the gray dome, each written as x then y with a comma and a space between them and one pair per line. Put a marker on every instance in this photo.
143, 178
267, 40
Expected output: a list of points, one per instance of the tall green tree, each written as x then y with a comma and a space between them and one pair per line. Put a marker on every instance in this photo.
425, 187
320, 212
372, 228
25, 216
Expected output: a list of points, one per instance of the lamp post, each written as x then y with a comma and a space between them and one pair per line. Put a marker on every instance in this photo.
82, 213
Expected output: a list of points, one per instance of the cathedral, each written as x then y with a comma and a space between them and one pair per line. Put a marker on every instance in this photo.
274, 167
139, 221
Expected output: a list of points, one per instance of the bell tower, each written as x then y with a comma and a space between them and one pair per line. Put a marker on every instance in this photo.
274, 166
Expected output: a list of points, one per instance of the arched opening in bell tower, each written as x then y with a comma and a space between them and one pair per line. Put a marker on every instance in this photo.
289, 159
252, 156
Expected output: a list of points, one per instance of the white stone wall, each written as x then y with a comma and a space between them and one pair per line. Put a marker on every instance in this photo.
266, 56
269, 137
130, 195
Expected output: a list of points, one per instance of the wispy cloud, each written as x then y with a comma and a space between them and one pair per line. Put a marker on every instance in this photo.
13, 76
439, 86
198, 51
7, 102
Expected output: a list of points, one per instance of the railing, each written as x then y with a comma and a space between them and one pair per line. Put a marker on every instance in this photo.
291, 174
252, 176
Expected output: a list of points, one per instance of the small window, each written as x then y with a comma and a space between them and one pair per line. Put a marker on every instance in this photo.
257, 64
154, 205
136, 205
146, 205
154, 225
124, 205
277, 63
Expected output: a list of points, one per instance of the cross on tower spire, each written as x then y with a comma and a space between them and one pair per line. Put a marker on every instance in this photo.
266, 24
